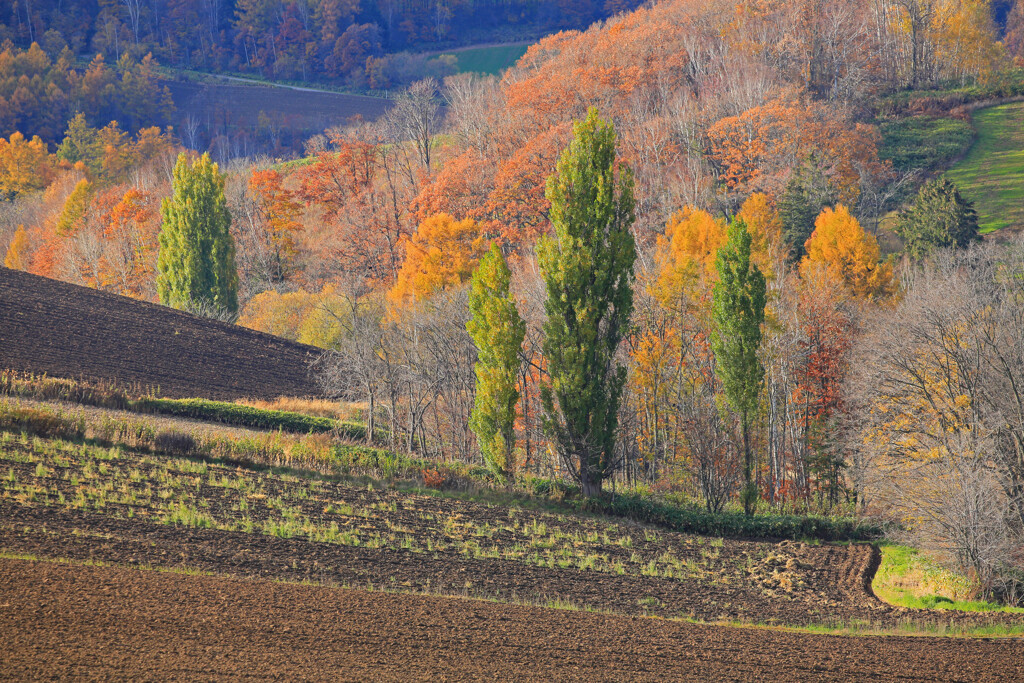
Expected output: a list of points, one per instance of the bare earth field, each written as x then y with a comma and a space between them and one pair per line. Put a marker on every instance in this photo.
118, 563
63, 621
303, 111
64, 330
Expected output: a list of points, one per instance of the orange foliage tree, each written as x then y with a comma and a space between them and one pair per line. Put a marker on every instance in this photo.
278, 212
442, 253
755, 150
25, 165
130, 230
840, 246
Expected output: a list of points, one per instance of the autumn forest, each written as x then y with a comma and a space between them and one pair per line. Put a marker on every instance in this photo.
814, 322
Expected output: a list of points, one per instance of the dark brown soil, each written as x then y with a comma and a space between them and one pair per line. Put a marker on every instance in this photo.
60, 622
301, 112
51, 533
64, 330
116, 506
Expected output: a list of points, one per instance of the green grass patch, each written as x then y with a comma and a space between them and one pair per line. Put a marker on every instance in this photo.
992, 173
488, 60
247, 416
733, 524
924, 142
908, 578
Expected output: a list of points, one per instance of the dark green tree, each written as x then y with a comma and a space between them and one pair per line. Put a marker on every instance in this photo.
196, 267
939, 217
498, 331
808, 191
588, 274
81, 143
738, 313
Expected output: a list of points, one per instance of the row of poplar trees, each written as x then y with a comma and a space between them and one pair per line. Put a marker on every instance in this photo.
587, 267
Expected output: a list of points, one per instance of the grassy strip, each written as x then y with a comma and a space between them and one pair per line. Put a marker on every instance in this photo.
491, 60
1005, 84
924, 142
247, 416
319, 454
907, 578
42, 388
733, 524
992, 173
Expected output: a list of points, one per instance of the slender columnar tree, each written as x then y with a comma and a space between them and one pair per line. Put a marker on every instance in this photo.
196, 268
588, 272
738, 310
498, 331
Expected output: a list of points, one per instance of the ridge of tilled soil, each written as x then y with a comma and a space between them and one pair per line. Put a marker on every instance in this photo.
64, 330
70, 534
131, 625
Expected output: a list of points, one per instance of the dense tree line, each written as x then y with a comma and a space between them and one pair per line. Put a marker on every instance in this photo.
338, 39
40, 92
744, 181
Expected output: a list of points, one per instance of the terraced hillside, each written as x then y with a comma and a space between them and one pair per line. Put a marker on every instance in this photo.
64, 330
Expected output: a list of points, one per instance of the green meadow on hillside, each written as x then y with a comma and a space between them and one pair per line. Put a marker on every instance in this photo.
992, 173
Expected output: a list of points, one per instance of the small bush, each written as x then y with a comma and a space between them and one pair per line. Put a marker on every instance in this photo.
44, 423
434, 479
173, 442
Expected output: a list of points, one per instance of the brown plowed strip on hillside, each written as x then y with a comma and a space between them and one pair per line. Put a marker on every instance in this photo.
65, 330
79, 622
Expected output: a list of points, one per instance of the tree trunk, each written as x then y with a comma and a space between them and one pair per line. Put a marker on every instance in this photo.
749, 491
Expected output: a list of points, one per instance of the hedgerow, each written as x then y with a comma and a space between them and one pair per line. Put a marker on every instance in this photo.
732, 524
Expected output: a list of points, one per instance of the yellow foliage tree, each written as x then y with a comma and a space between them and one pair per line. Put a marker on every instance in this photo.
75, 208
25, 165
314, 318
442, 253
686, 251
841, 247
765, 228
17, 252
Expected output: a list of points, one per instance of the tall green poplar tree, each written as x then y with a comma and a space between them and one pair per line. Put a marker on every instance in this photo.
588, 272
196, 267
498, 332
738, 311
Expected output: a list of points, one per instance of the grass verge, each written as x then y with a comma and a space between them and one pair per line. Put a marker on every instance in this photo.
908, 578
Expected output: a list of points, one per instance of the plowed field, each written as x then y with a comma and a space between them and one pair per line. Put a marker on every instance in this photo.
64, 330
78, 622
62, 500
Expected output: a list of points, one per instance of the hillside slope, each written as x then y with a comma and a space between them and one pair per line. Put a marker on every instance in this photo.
65, 330
992, 173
